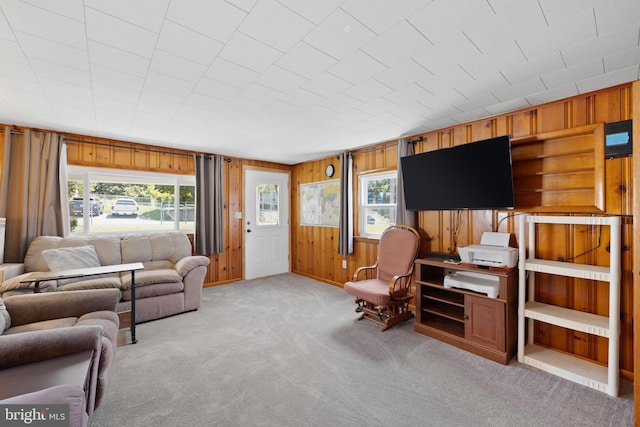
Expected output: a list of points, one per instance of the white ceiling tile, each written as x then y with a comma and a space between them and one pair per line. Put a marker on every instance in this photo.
408, 94
560, 35
107, 90
368, 90
319, 112
510, 22
16, 69
522, 70
598, 47
553, 94
102, 104
6, 32
188, 44
120, 34
216, 90
168, 84
615, 14
380, 15
44, 24
175, 66
63, 89
397, 44
326, 85
314, 11
377, 106
245, 5
60, 72
441, 19
302, 98
556, 11
305, 60
52, 51
205, 103
110, 57
614, 78
275, 25
622, 59
402, 74
213, 18
116, 78
280, 79
339, 35
249, 53
519, 90
13, 82
73, 9
147, 14
260, 94
357, 67
230, 73
341, 102
456, 49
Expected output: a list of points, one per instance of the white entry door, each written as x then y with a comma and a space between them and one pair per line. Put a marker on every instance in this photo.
266, 223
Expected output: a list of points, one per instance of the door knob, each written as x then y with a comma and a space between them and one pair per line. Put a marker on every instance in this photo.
248, 231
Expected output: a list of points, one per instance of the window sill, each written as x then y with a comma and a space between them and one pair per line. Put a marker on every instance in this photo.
366, 239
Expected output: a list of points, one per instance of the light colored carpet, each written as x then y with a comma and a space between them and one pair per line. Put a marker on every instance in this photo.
287, 351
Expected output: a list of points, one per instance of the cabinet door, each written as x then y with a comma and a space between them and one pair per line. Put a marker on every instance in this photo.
485, 321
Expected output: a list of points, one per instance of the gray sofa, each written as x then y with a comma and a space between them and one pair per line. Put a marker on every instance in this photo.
170, 283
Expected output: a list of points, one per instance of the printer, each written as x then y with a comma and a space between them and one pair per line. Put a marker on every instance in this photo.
493, 251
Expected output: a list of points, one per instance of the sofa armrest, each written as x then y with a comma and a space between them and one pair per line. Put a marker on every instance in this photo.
29, 347
32, 308
186, 264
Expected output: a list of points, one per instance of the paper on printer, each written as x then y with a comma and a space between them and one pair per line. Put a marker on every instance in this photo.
493, 251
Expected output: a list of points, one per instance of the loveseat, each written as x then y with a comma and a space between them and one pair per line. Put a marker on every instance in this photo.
170, 283
46, 327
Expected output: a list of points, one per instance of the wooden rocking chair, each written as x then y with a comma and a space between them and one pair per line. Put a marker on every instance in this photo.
382, 290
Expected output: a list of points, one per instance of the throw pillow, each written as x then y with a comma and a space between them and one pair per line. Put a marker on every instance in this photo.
5, 318
71, 258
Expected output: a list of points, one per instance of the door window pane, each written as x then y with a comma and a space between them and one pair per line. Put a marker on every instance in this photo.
267, 204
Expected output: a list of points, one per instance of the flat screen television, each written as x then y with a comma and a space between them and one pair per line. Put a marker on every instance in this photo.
476, 175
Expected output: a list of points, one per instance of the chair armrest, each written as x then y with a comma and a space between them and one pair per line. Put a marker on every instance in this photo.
366, 269
32, 308
186, 264
29, 347
405, 280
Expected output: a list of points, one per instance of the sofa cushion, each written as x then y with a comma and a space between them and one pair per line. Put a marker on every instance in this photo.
5, 318
99, 282
62, 322
151, 277
135, 248
156, 290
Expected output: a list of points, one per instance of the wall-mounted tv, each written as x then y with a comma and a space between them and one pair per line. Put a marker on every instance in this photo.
476, 175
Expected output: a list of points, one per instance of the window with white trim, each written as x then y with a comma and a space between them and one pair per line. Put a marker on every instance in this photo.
117, 201
378, 198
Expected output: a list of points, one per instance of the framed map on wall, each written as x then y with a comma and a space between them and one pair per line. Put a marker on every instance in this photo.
320, 203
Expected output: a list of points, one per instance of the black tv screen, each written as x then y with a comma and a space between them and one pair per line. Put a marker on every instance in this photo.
476, 175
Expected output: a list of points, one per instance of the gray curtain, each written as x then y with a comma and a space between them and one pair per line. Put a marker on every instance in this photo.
209, 235
345, 232
34, 192
403, 216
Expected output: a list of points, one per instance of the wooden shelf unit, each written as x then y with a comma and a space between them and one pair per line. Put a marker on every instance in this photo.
591, 374
466, 319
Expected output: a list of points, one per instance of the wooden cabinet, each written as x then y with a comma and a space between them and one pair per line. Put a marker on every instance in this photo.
469, 320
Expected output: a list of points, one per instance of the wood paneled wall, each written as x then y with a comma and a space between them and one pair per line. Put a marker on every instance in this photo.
315, 248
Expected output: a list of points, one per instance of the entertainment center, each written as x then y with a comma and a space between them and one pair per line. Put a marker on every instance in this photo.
466, 319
